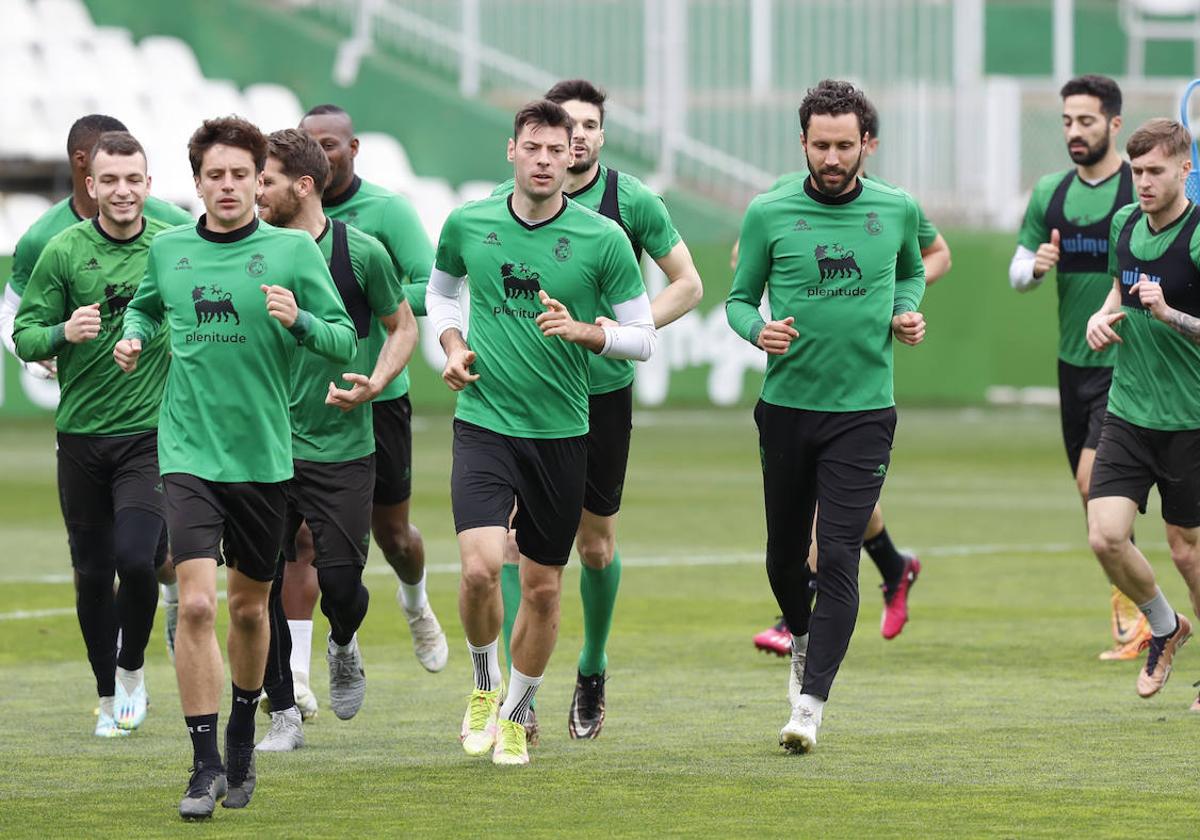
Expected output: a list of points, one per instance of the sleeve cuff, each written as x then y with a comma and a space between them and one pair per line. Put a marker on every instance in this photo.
302, 325
58, 337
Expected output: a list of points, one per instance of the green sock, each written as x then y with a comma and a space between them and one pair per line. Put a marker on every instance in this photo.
510, 589
599, 590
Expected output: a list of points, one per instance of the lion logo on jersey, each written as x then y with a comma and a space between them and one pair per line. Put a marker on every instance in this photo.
213, 304
840, 265
520, 282
117, 296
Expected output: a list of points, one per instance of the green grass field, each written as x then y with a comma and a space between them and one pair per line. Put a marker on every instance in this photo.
989, 716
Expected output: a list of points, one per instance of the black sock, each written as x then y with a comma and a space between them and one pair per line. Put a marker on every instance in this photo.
241, 716
889, 561
203, 729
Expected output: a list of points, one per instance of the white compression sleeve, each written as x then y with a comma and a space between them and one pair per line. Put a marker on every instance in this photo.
636, 336
441, 301
8, 312
1020, 270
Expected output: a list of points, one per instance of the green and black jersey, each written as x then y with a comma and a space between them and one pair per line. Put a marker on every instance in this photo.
842, 267
927, 232
1083, 213
1156, 376
224, 414
60, 217
80, 266
530, 385
391, 219
323, 432
644, 217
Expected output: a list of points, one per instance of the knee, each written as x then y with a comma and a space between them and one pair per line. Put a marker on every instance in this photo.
340, 584
198, 609
246, 611
542, 593
1106, 541
478, 575
1185, 553
595, 550
396, 539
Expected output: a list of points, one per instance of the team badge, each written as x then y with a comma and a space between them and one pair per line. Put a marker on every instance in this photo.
562, 251
257, 266
872, 225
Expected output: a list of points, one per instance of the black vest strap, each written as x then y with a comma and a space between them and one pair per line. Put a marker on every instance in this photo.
342, 270
1084, 248
1174, 270
611, 208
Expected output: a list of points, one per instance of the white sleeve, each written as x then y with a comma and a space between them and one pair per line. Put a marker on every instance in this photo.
441, 301
8, 312
1020, 270
636, 336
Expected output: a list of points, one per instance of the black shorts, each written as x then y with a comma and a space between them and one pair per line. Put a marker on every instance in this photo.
1083, 402
610, 422
99, 476
335, 500
393, 450
544, 476
1130, 459
239, 523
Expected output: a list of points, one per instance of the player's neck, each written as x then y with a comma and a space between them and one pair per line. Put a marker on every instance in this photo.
339, 189
120, 231
532, 209
573, 183
85, 206
212, 223
1162, 219
310, 218
1106, 167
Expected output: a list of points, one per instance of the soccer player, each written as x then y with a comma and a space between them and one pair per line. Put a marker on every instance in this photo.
332, 440
73, 308
839, 286
539, 267
899, 569
391, 219
80, 205
237, 297
647, 224
1066, 228
1151, 433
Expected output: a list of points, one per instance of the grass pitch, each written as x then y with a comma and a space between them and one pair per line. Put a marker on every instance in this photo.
989, 716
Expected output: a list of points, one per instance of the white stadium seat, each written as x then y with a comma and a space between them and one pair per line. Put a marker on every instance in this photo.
272, 107
22, 209
21, 24
63, 19
169, 65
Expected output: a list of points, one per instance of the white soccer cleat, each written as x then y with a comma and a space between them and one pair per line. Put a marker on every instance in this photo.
429, 642
306, 700
129, 709
799, 734
347, 679
106, 723
286, 733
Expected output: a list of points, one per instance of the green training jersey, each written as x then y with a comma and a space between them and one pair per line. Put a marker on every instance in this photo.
60, 217
391, 219
323, 432
649, 228
81, 266
1080, 293
529, 385
224, 414
1156, 377
842, 267
927, 232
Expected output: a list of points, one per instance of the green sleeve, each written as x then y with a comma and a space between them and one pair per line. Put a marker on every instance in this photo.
651, 223
406, 240
927, 233
1114, 232
144, 315
383, 287
1033, 228
449, 252
750, 277
323, 326
25, 257
910, 270
505, 188
621, 280
38, 330
165, 211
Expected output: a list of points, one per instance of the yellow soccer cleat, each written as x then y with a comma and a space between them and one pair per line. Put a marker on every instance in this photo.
479, 723
1126, 618
1138, 639
510, 745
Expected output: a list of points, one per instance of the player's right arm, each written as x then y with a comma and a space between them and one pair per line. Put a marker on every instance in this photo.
1037, 248
313, 311
749, 282
143, 317
40, 325
443, 307
25, 256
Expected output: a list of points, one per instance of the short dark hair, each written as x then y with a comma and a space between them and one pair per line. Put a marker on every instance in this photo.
834, 98
299, 155
1169, 134
228, 131
870, 119
542, 112
580, 89
1101, 87
323, 109
85, 130
115, 143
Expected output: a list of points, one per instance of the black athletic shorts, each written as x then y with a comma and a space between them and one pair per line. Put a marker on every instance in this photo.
610, 422
239, 523
335, 500
544, 476
98, 476
1083, 402
393, 450
1130, 459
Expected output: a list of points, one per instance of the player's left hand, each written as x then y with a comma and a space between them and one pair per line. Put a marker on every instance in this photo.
556, 320
605, 322
1151, 295
281, 305
909, 327
362, 390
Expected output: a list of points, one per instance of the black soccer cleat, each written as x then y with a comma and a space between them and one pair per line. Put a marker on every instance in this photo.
206, 785
239, 759
587, 707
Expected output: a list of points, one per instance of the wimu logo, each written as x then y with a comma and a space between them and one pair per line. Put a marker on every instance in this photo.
1132, 275
1092, 246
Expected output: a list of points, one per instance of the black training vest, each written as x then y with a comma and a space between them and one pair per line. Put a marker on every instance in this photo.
1174, 270
610, 208
347, 284
1084, 249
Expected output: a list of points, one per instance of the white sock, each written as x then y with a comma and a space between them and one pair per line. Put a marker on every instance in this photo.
170, 592
301, 647
130, 680
813, 703
799, 643
106, 706
486, 663
1160, 614
412, 595
520, 695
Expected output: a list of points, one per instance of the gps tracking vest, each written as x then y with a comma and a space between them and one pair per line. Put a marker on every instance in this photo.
1174, 270
610, 208
342, 270
1084, 249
